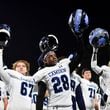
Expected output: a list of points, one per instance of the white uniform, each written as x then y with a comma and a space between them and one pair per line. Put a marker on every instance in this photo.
74, 83
104, 71
57, 79
19, 88
2, 94
89, 91
34, 101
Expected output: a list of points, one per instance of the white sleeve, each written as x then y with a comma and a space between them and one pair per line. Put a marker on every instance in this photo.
65, 61
13, 73
4, 75
4, 91
76, 76
94, 65
102, 83
1, 57
39, 75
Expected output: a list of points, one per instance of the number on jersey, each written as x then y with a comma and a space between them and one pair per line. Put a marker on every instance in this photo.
25, 87
60, 83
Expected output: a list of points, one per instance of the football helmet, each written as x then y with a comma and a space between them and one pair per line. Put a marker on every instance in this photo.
98, 37
78, 21
49, 42
4, 35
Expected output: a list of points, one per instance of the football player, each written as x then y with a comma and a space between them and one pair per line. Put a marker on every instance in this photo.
89, 89
18, 86
98, 38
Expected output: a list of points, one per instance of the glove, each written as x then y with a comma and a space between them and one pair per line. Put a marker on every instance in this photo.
4, 35
72, 56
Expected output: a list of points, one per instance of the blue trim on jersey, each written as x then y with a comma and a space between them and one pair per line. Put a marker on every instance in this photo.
74, 103
79, 98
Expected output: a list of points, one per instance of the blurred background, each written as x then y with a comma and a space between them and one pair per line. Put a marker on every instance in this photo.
31, 20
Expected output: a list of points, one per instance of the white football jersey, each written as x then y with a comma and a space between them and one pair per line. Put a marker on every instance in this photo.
74, 83
34, 100
106, 79
19, 88
2, 94
57, 79
104, 72
89, 90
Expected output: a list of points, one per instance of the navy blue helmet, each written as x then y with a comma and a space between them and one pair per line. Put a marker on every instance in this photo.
49, 42
78, 21
98, 37
4, 35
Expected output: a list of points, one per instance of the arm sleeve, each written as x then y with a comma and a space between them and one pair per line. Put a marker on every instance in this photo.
79, 98
4, 75
94, 65
4, 90
41, 94
1, 57
38, 76
76, 76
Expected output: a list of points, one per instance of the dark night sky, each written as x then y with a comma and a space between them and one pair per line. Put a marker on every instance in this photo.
30, 20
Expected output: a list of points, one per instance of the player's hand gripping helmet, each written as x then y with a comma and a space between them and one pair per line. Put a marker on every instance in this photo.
78, 22
4, 35
49, 42
98, 37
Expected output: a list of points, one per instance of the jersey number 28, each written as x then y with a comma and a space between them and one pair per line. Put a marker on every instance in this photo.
60, 83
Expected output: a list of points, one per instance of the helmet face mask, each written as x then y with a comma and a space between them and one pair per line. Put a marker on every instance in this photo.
43, 44
49, 42
3, 39
4, 35
52, 42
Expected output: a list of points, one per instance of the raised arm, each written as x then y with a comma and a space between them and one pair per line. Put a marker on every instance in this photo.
75, 75
4, 38
94, 65
1, 57
39, 75
3, 74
